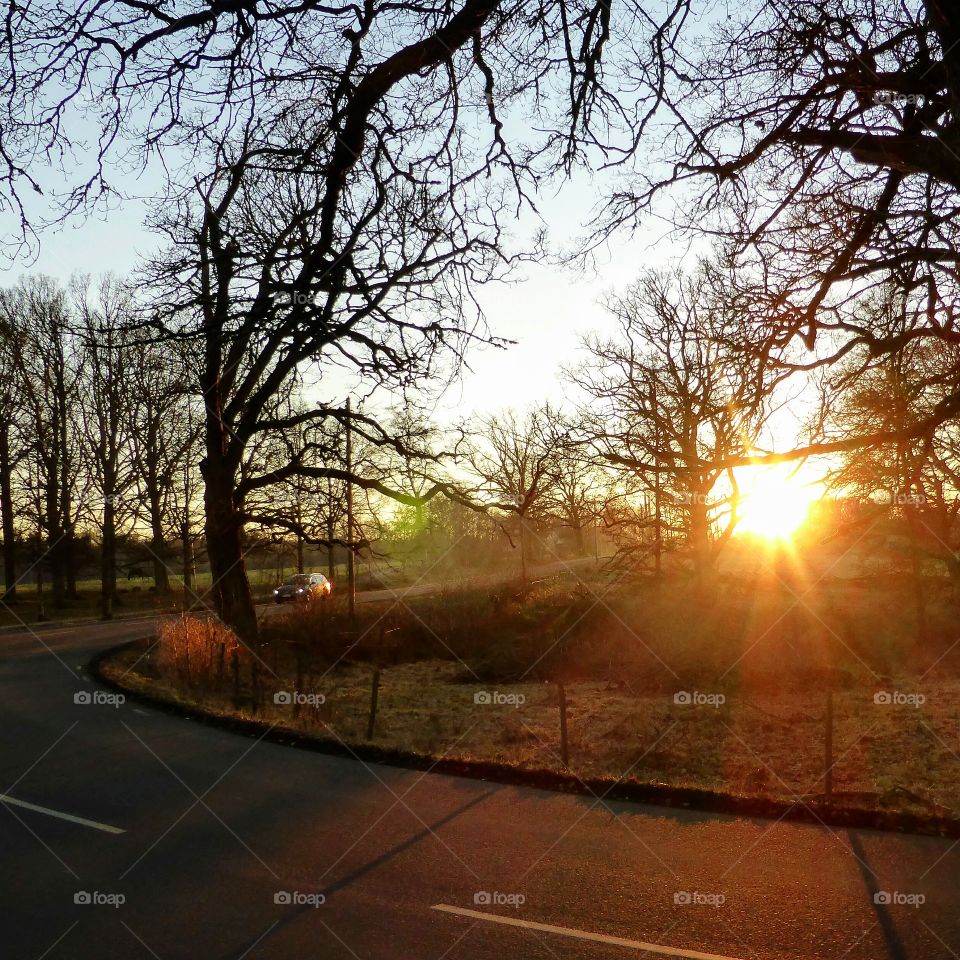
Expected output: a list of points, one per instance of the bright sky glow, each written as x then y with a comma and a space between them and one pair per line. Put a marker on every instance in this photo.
776, 500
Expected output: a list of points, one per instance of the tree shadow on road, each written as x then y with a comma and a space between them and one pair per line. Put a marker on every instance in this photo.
895, 947
292, 915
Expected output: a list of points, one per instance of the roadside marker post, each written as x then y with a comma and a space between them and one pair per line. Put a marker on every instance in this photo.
564, 748
374, 694
828, 747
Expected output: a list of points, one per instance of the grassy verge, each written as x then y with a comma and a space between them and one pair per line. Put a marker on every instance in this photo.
86, 604
472, 678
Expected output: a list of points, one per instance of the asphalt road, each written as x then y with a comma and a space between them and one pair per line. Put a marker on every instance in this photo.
217, 828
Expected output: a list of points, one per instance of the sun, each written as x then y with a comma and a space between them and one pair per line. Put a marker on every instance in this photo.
775, 501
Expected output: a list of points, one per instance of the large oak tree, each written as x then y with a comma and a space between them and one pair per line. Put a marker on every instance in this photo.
820, 142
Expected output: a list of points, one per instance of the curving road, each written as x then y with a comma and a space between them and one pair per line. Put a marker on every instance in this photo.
183, 838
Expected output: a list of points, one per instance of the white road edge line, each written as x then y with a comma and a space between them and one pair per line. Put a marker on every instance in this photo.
583, 934
105, 827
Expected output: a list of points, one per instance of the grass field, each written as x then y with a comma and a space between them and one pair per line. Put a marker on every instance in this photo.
133, 596
900, 757
727, 693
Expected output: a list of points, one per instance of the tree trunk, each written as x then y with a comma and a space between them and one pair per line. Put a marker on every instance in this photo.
187, 556
579, 544
53, 554
66, 539
69, 560
700, 537
161, 581
6, 518
952, 560
224, 531
185, 533
916, 565
330, 563
108, 558
523, 550
41, 612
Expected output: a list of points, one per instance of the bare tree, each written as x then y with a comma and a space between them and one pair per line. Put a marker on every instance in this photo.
577, 494
674, 396
364, 268
105, 401
346, 204
183, 505
294, 505
514, 460
162, 434
49, 373
818, 140
12, 441
917, 478
153, 79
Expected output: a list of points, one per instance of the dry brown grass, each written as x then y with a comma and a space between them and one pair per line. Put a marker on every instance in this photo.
198, 652
763, 740
771, 645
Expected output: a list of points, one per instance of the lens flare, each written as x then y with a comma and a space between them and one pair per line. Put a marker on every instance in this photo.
775, 501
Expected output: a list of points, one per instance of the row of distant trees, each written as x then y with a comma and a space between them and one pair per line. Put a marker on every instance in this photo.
96, 434
689, 388
100, 436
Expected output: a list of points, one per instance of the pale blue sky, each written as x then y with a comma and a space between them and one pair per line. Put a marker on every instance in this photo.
547, 310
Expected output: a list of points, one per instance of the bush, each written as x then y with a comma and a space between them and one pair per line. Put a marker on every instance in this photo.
196, 652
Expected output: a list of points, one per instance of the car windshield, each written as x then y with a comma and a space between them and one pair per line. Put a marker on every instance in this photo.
297, 580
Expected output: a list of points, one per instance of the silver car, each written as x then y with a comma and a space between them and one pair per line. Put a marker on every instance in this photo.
303, 586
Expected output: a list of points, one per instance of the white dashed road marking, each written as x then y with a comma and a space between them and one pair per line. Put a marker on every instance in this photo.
583, 935
105, 827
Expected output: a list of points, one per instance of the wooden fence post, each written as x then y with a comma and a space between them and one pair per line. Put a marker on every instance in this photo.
564, 748
235, 666
255, 684
298, 686
828, 748
374, 694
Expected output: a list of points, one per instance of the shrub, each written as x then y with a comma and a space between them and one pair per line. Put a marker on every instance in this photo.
197, 652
